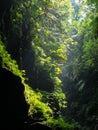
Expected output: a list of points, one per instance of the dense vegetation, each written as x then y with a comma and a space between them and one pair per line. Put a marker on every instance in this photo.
80, 72
53, 47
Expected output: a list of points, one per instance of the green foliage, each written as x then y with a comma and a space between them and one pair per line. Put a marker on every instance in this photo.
37, 23
33, 98
61, 98
30, 22
80, 73
90, 50
62, 124
8, 62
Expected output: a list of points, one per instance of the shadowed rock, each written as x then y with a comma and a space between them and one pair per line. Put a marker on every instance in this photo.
38, 126
14, 107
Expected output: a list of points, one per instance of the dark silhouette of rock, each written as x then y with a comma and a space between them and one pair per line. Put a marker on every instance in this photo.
37, 125
14, 108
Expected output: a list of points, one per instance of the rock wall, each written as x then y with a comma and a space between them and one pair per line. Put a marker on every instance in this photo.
14, 108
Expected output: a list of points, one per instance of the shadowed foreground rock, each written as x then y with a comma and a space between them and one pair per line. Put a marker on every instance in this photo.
14, 108
38, 126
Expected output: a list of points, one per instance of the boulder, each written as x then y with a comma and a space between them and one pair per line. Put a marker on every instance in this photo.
14, 108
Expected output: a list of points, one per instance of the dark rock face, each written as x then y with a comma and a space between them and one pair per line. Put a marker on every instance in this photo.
37, 126
14, 109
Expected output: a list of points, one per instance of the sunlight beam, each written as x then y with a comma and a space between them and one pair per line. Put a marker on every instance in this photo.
76, 1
